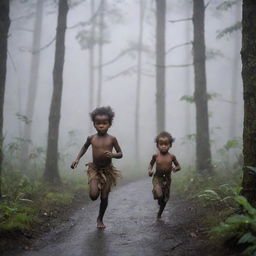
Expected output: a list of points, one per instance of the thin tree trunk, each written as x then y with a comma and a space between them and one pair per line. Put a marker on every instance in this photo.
33, 82
4, 28
138, 86
51, 169
91, 64
160, 64
235, 80
101, 29
187, 89
203, 152
248, 54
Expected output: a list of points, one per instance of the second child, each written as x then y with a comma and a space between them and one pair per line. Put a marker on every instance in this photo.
166, 163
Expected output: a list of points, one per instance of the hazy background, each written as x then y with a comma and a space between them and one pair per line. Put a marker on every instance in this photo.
119, 93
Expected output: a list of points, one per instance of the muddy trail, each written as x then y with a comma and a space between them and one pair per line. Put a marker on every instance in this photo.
132, 229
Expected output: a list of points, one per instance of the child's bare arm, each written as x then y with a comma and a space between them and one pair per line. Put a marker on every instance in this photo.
81, 153
151, 164
118, 150
177, 165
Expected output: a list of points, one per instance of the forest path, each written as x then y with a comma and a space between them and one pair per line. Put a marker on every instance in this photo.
132, 228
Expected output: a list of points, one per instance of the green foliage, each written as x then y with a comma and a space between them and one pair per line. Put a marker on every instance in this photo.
23, 118
225, 5
240, 227
187, 98
213, 54
229, 30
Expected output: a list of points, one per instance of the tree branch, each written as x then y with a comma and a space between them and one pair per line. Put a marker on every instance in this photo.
88, 22
179, 66
175, 21
128, 71
177, 46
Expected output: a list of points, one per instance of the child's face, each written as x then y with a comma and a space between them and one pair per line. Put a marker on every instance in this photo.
101, 123
163, 144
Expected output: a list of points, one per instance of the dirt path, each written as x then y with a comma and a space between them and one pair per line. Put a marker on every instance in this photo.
132, 229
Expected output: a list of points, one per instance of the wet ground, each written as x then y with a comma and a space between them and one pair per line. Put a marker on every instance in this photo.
132, 229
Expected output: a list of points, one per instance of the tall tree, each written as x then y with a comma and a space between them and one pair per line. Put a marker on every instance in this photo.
203, 152
138, 85
235, 79
51, 173
248, 54
4, 28
33, 81
160, 64
101, 42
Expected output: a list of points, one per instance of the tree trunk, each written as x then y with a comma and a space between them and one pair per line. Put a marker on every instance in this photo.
101, 29
203, 152
187, 85
248, 54
33, 82
4, 28
51, 169
91, 64
235, 79
160, 64
138, 86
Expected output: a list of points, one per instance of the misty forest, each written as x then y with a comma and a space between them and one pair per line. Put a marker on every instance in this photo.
186, 67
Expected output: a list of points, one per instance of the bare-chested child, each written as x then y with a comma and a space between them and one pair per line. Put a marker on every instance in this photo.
165, 164
102, 175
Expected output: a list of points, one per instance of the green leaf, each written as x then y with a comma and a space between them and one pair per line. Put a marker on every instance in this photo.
247, 238
187, 98
251, 168
241, 200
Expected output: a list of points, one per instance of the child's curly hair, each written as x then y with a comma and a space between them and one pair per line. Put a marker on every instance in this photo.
166, 135
103, 111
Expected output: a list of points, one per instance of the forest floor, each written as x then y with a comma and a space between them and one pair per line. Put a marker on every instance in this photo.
132, 228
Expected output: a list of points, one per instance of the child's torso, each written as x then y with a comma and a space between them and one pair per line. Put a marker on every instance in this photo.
99, 146
164, 164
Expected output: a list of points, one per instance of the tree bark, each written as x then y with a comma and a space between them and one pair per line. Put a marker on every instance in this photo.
33, 82
203, 152
4, 28
51, 168
160, 64
248, 54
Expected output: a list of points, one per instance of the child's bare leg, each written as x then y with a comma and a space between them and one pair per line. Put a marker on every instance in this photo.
94, 190
162, 205
161, 202
103, 205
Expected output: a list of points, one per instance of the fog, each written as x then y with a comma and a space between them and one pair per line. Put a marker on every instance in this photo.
119, 92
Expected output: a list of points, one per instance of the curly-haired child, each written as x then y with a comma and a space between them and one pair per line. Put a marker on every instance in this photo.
166, 163
102, 175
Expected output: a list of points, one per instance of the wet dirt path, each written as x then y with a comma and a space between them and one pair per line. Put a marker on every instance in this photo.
132, 228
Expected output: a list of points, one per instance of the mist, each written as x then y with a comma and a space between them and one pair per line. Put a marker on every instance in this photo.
121, 29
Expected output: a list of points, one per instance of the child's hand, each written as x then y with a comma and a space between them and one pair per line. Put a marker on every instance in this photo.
175, 169
108, 154
74, 164
150, 173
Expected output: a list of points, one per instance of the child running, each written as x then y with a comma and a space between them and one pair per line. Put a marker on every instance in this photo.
164, 166
102, 175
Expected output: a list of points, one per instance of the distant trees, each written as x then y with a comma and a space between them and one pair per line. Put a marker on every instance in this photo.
203, 152
33, 81
139, 75
248, 54
51, 173
4, 28
160, 64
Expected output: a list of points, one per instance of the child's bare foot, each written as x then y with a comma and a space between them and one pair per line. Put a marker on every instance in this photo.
100, 224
